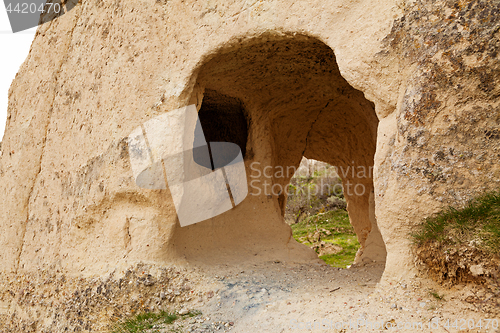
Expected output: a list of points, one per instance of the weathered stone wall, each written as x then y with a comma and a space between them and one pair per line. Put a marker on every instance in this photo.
111, 67
409, 88
441, 146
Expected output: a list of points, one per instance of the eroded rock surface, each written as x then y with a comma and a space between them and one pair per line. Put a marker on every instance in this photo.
406, 91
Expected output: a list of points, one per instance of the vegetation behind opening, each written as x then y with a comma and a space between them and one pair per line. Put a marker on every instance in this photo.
316, 211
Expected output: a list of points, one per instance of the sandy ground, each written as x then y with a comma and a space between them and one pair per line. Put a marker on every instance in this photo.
244, 297
285, 297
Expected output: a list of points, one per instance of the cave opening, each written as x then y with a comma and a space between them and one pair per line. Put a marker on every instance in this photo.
282, 98
316, 210
223, 119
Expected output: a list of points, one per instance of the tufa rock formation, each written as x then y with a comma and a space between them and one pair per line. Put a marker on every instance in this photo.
401, 96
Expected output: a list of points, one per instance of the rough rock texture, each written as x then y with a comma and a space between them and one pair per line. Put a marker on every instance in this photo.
51, 301
441, 146
408, 89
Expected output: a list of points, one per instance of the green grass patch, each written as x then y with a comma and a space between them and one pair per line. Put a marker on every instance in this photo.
478, 223
336, 222
344, 258
148, 320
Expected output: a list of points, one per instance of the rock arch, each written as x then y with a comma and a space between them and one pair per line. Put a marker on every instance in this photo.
69, 201
101, 70
295, 103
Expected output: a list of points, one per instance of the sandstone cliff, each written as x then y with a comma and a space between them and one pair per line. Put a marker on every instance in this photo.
408, 89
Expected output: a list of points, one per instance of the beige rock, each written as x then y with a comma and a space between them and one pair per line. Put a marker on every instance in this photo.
391, 89
476, 270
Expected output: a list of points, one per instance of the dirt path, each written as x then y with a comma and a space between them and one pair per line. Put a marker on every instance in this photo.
281, 297
249, 298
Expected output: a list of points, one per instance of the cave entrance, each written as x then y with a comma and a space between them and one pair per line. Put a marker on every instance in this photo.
280, 98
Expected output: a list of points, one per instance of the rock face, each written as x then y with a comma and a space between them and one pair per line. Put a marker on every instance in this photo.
403, 97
